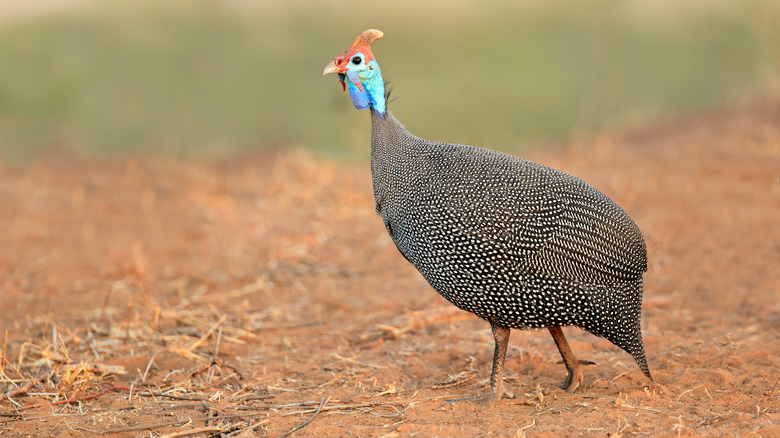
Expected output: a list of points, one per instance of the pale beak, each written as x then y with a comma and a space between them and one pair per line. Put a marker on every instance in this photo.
330, 68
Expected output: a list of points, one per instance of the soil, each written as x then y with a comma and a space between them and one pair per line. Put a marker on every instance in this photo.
261, 296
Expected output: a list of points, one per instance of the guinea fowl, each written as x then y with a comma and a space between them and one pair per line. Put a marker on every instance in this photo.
518, 244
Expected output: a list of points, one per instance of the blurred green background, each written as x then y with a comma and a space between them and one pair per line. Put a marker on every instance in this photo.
218, 77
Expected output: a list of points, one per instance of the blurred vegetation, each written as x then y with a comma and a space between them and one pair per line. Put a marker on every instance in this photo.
192, 77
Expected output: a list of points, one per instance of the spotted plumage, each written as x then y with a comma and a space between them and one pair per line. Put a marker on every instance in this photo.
514, 242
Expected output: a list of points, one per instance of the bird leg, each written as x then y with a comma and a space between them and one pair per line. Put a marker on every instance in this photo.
573, 366
501, 336
497, 389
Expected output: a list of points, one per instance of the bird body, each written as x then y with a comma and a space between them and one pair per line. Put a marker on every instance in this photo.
518, 244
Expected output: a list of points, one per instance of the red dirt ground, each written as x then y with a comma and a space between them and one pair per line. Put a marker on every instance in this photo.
256, 295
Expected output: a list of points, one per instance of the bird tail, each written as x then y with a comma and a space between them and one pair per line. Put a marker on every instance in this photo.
629, 336
638, 354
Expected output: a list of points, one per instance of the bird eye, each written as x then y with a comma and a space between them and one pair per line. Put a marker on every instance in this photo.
357, 60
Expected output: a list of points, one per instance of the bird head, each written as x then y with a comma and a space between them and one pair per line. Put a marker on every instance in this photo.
358, 70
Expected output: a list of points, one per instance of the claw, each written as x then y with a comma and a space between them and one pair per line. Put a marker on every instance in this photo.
573, 380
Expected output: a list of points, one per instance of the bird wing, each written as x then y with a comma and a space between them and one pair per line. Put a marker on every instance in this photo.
568, 229
503, 212
545, 221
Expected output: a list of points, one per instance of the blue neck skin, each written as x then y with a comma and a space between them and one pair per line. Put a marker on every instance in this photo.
366, 87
